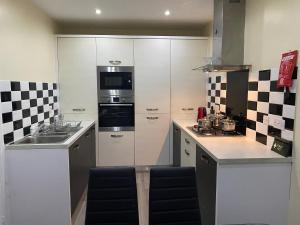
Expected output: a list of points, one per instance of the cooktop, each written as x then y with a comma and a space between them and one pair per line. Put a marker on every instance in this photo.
213, 132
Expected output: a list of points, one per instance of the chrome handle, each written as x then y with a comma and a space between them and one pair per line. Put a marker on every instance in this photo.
79, 110
187, 109
116, 135
187, 141
186, 152
116, 104
115, 62
149, 109
76, 147
152, 118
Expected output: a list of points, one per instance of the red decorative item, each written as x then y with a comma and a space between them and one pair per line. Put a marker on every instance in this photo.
201, 113
287, 66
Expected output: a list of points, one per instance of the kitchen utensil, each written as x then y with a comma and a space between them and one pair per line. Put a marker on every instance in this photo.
217, 120
205, 123
228, 125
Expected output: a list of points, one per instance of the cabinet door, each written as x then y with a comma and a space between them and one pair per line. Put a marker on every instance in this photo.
176, 145
116, 148
206, 172
114, 52
188, 151
188, 86
77, 75
152, 75
152, 145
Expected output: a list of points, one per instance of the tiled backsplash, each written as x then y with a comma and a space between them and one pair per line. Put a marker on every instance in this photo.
264, 98
24, 104
217, 91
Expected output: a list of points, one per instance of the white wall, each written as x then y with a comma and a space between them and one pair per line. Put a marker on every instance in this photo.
27, 42
27, 52
272, 27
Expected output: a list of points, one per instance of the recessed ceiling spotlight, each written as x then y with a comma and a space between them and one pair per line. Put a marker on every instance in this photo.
167, 13
98, 11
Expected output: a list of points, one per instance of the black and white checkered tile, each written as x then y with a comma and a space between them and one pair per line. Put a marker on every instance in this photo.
216, 88
24, 104
265, 99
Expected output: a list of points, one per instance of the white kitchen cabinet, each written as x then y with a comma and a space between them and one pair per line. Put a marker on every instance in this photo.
188, 86
77, 75
152, 75
114, 52
188, 151
152, 146
116, 148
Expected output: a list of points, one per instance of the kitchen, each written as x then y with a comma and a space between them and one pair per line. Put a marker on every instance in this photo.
137, 89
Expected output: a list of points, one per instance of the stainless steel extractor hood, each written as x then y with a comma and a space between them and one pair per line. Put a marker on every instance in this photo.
228, 37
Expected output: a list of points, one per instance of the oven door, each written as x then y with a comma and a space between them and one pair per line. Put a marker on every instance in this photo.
116, 117
115, 80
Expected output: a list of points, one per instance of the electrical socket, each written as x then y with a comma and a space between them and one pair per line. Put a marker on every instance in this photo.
266, 120
277, 123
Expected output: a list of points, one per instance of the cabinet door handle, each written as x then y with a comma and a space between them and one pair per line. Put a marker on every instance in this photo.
115, 62
150, 109
186, 152
79, 110
87, 135
116, 135
204, 159
76, 147
187, 109
187, 141
152, 117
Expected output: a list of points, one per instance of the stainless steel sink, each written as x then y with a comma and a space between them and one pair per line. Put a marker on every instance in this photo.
42, 139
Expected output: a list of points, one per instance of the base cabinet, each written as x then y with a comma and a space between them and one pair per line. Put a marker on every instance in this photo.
116, 148
245, 193
152, 143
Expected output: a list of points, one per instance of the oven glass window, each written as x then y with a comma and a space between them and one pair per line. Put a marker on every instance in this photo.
120, 115
116, 80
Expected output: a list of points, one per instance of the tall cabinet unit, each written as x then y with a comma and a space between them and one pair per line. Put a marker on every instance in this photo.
188, 86
116, 148
77, 79
152, 98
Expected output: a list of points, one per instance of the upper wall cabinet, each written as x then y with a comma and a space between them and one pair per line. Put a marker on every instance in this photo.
188, 87
152, 75
114, 52
77, 75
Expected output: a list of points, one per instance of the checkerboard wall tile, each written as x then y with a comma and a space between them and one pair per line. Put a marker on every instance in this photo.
24, 104
265, 99
216, 88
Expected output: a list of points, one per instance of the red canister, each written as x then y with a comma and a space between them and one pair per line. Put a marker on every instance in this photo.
201, 113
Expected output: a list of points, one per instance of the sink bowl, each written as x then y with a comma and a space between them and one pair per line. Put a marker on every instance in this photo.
42, 139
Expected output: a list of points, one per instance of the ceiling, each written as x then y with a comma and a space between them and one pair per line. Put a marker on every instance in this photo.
134, 12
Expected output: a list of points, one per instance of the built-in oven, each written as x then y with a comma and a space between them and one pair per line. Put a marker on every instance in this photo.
116, 113
115, 81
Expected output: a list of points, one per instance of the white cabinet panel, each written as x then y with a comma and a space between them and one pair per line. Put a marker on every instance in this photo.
188, 87
114, 52
152, 146
116, 148
77, 75
188, 151
152, 75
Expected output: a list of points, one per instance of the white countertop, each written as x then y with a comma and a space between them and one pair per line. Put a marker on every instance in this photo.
229, 150
85, 125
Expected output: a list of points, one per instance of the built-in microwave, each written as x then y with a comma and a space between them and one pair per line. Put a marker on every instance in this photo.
115, 81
